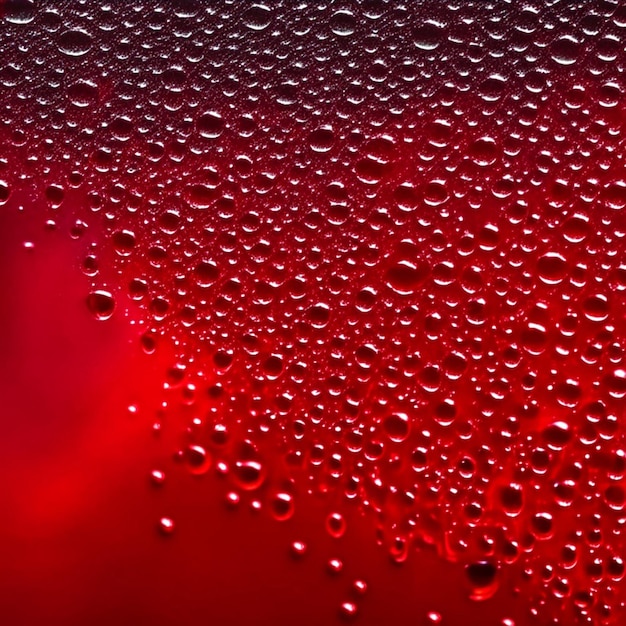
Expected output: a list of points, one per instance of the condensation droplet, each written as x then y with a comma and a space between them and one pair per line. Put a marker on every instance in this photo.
101, 304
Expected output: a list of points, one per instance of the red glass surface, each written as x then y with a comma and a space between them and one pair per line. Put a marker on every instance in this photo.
312, 313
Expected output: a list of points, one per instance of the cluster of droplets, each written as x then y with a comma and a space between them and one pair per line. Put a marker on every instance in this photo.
388, 244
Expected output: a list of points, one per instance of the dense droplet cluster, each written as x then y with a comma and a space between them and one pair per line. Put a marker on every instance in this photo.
386, 241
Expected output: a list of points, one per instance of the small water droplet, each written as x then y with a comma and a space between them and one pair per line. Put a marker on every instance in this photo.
157, 477
298, 548
348, 610
335, 525
166, 525
249, 475
101, 304
197, 460
282, 506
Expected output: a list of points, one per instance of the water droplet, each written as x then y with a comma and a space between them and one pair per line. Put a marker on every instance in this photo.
397, 427
197, 460
322, 139
75, 43
298, 548
552, 268
101, 304
210, 125
4, 191
257, 17
19, 11
406, 277
596, 308
512, 499
157, 477
166, 525
348, 610
249, 475
282, 506
565, 50
483, 578
359, 586
335, 525
343, 23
